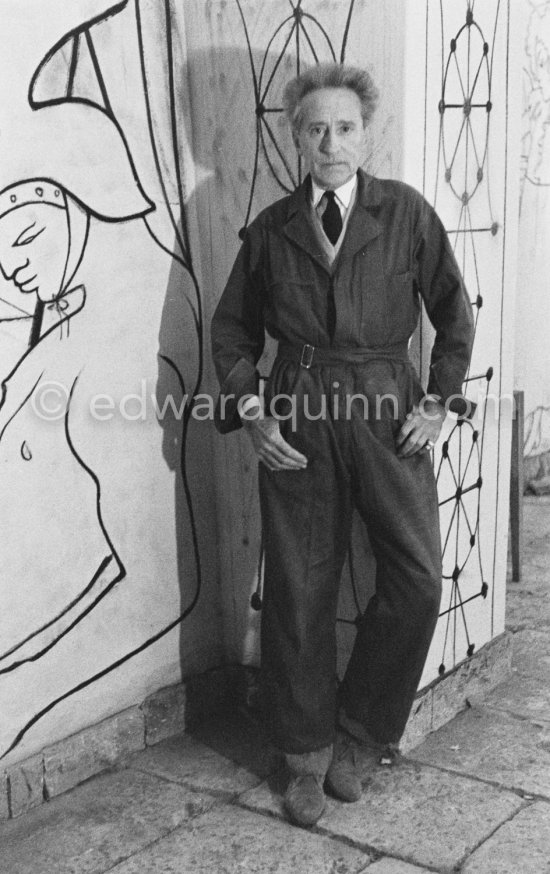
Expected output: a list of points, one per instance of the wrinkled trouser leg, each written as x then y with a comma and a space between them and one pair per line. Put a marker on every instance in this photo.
398, 501
306, 520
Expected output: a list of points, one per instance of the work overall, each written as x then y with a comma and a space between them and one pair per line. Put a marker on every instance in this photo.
345, 398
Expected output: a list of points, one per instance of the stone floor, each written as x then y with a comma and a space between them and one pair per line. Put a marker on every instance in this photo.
474, 797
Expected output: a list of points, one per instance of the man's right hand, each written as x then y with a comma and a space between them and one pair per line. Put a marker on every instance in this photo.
269, 444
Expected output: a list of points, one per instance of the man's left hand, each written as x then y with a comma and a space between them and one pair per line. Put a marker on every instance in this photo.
420, 429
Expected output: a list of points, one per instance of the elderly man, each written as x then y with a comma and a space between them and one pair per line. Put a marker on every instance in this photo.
336, 272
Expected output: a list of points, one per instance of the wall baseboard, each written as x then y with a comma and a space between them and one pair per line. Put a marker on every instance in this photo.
63, 765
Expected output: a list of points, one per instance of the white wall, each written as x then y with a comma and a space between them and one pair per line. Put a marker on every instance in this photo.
123, 487
448, 154
532, 361
178, 505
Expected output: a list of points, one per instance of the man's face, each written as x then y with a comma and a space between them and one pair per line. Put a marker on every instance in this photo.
34, 242
332, 137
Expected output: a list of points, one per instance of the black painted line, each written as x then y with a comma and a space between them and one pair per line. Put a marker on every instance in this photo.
250, 55
174, 129
449, 529
467, 601
279, 152
76, 31
198, 313
461, 604
254, 173
122, 571
278, 61
59, 101
504, 235
463, 492
455, 106
311, 46
161, 245
470, 231
106, 561
271, 167
99, 75
323, 31
298, 47
95, 479
45, 334
151, 130
346, 32
37, 318
185, 481
266, 55
73, 64
76, 621
23, 402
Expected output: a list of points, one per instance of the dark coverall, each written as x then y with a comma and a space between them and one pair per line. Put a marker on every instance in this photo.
395, 251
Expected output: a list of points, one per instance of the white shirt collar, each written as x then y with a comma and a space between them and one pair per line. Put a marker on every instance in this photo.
344, 193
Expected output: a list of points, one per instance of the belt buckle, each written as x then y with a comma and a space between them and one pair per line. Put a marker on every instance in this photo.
306, 358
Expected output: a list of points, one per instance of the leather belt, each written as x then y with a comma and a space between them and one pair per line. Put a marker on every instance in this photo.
318, 356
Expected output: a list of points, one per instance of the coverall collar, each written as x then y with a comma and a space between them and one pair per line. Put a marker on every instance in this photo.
362, 226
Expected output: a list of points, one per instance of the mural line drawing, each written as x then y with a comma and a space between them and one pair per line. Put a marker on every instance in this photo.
48, 204
465, 109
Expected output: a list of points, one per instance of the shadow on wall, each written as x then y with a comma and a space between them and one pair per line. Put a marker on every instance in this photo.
244, 160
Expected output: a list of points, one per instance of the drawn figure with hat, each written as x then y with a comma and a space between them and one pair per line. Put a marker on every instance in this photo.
68, 193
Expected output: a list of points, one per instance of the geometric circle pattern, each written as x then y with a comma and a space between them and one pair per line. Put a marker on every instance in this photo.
465, 108
298, 38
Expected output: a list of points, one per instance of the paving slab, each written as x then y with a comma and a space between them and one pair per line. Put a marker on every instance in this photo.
524, 696
191, 763
238, 735
226, 756
531, 654
98, 824
536, 513
521, 845
230, 840
535, 554
421, 815
492, 745
528, 602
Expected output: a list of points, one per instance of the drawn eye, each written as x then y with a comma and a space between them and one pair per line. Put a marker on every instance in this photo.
25, 238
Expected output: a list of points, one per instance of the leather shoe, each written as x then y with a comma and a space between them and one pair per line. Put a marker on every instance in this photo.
304, 799
342, 778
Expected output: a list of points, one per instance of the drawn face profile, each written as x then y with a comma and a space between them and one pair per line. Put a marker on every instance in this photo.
34, 246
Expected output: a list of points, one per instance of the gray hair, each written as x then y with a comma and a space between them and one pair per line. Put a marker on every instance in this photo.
329, 76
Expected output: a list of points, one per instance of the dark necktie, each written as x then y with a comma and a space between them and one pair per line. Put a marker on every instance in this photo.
332, 217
